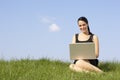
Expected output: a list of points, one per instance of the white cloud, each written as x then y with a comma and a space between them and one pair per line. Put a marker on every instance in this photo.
54, 28
49, 21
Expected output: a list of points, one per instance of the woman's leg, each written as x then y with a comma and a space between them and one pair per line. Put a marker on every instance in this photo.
85, 65
76, 68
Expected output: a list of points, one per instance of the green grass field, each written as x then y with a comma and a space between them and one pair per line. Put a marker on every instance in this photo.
45, 69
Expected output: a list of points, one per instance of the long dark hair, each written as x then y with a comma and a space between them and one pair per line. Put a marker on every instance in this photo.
85, 20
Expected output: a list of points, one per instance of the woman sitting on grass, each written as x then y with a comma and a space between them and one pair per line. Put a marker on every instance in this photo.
85, 36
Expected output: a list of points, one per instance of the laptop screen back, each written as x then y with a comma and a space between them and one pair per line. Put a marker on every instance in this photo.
82, 51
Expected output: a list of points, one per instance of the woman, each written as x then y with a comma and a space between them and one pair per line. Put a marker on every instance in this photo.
83, 37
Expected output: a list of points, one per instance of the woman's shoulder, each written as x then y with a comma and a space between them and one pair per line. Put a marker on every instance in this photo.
95, 37
76, 34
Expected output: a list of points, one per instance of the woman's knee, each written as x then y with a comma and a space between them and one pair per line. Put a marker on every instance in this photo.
82, 63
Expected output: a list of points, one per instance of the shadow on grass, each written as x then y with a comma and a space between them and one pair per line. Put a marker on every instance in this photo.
107, 66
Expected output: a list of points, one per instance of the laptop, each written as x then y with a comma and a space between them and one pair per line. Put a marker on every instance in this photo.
82, 51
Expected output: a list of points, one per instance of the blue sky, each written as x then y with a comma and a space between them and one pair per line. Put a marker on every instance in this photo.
44, 28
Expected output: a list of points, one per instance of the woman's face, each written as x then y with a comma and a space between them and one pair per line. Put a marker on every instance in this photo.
83, 26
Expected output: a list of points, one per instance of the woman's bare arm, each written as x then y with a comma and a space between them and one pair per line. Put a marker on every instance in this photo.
96, 41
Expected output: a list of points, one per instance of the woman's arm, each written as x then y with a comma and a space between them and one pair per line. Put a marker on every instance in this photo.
73, 39
96, 41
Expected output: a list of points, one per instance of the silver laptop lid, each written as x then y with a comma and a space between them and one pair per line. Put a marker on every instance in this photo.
82, 51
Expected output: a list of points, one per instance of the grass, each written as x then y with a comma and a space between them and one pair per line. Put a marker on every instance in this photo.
46, 69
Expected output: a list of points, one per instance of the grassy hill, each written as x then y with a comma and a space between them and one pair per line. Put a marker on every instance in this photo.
45, 69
